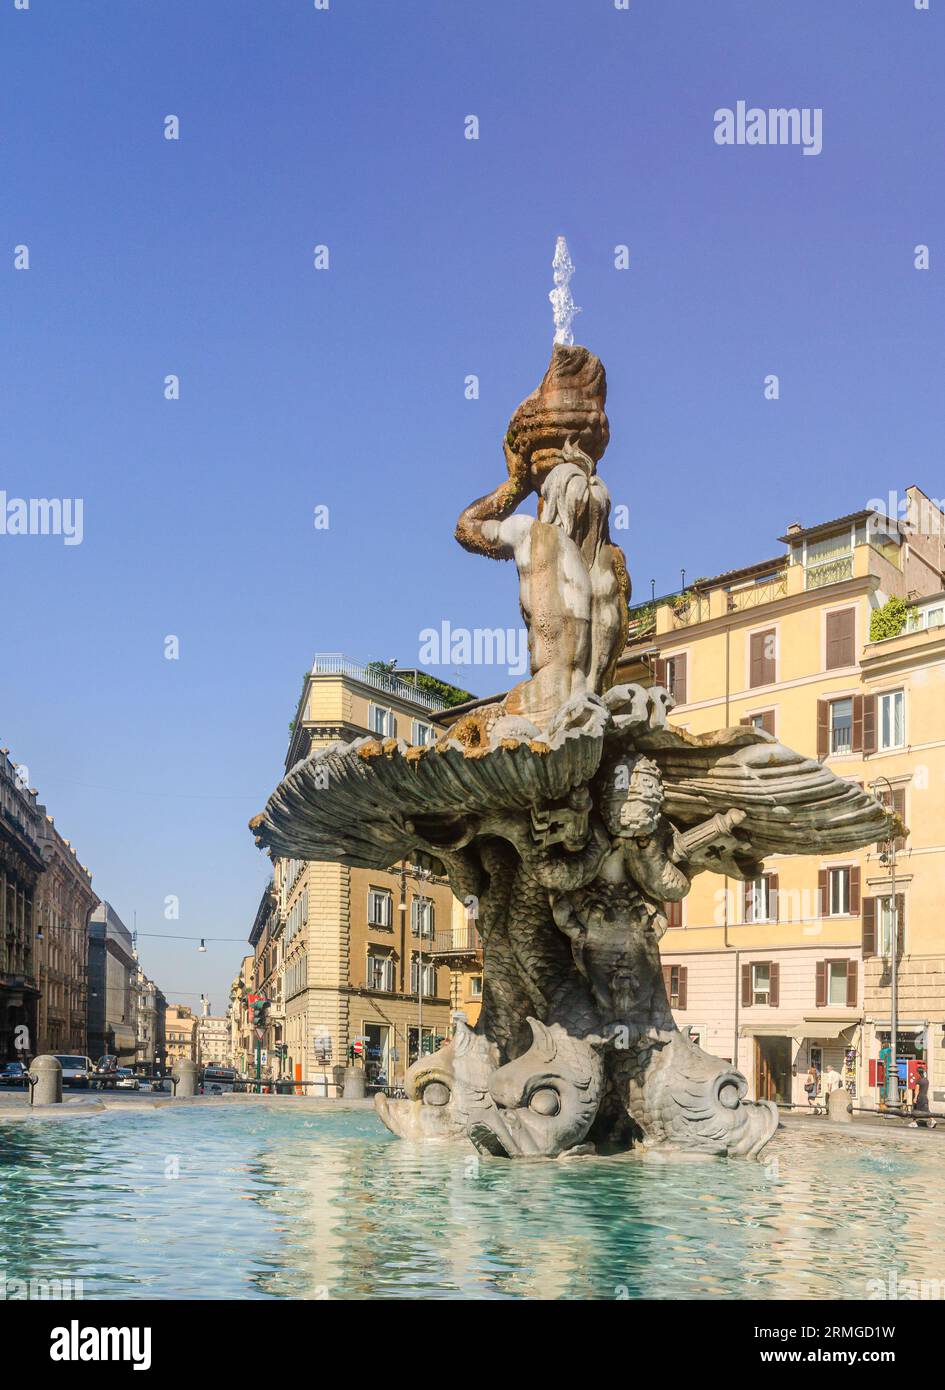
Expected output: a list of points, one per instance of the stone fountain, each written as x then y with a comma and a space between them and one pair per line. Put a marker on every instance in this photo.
566, 816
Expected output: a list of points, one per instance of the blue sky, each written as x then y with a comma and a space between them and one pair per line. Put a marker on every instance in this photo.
345, 388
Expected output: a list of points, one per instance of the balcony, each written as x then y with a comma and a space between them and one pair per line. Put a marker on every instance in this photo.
460, 943
830, 572
751, 595
335, 664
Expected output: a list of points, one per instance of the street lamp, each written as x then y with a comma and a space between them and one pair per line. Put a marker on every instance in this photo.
888, 859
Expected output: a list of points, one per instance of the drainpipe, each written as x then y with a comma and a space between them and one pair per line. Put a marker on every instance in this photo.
737, 1001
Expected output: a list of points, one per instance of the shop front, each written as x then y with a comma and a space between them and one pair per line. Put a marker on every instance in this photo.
780, 1056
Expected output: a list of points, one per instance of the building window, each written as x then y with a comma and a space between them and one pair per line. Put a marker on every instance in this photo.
764, 721
382, 721
422, 978
841, 639
836, 984
380, 908
422, 917
839, 894
892, 720
422, 734
841, 726
885, 921
760, 983
671, 672
878, 914
762, 664
475, 987
380, 971
674, 978
761, 899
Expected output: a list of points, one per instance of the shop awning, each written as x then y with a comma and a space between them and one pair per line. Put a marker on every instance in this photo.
799, 1028
828, 1027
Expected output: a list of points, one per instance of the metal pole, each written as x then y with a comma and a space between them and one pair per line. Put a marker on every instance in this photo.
894, 976
892, 1080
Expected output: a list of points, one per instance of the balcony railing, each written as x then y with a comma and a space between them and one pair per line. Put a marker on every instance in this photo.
461, 941
830, 572
753, 595
334, 664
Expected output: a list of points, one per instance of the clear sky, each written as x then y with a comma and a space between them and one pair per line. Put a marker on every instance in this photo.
345, 387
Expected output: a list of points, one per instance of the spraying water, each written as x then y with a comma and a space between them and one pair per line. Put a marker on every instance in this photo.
562, 303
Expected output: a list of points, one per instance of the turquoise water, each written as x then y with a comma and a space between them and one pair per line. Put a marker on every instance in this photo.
253, 1202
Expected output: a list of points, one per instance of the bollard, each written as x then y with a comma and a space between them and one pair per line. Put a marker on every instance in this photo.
353, 1088
839, 1107
184, 1078
45, 1075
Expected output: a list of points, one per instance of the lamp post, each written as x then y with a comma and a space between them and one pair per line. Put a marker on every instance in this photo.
888, 857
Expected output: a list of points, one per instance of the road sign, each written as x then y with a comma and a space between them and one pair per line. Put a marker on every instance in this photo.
260, 1033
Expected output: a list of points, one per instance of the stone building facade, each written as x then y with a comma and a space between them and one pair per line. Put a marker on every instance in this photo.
348, 957
21, 865
64, 902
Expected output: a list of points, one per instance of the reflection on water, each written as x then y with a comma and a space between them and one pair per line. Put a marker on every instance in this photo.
255, 1202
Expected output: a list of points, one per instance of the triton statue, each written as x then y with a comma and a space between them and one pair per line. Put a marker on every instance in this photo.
569, 814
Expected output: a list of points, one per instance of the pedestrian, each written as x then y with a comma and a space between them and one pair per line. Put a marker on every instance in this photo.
812, 1086
831, 1080
920, 1101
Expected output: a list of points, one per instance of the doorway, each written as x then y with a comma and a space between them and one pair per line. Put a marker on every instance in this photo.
773, 1069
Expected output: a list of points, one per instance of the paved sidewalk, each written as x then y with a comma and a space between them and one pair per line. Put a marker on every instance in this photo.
17, 1106
866, 1125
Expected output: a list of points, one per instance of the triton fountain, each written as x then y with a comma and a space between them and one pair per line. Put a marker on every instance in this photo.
569, 814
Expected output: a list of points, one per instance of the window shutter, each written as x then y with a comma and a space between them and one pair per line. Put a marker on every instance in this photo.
821, 984
762, 668
680, 682
900, 923
673, 913
823, 728
668, 980
683, 976
746, 986
774, 990
851, 984
856, 743
823, 892
869, 724
773, 882
748, 906
659, 671
841, 628
746, 721
869, 926
855, 889
767, 722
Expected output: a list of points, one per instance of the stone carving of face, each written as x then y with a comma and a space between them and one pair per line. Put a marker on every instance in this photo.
443, 1090
545, 1101
632, 807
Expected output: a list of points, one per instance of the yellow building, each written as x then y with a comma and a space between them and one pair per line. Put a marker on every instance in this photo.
362, 966
179, 1036
795, 967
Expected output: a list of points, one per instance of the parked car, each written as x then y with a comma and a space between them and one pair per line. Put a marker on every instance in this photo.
216, 1080
125, 1079
76, 1070
13, 1074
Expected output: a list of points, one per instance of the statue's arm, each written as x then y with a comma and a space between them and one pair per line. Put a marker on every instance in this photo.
473, 531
